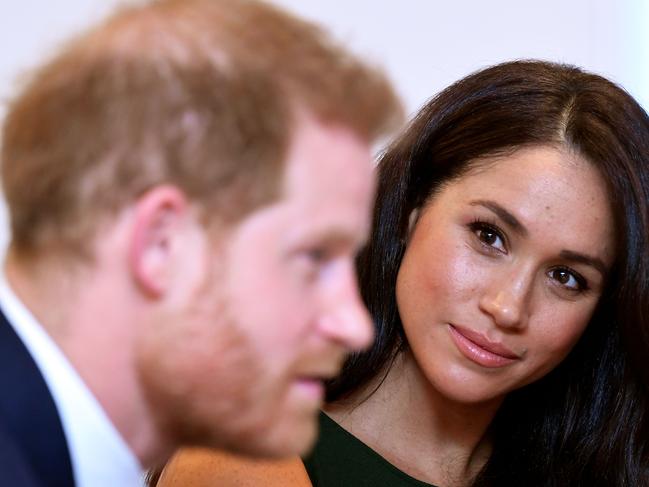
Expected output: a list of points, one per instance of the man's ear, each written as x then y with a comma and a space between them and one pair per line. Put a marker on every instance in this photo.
161, 215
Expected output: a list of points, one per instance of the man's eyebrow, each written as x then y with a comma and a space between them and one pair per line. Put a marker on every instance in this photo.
338, 238
577, 257
342, 238
503, 214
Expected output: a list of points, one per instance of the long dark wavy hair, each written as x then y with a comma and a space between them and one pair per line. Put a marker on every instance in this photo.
585, 423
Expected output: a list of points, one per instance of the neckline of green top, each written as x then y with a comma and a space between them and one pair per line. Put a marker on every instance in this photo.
329, 427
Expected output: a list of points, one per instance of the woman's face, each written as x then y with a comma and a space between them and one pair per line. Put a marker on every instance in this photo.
503, 270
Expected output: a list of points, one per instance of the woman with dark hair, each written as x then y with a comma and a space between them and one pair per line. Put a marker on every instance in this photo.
508, 277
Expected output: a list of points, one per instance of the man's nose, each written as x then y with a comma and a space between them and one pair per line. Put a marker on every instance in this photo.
347, 320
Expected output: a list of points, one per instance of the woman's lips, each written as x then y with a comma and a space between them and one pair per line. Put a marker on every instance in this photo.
480, 350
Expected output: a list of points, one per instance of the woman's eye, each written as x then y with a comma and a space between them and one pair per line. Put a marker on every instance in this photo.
568, 279
489, 236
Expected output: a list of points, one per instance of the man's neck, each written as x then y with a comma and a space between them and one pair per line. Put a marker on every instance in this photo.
85, 315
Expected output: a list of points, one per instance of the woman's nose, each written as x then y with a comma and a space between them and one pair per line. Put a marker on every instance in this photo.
507, 302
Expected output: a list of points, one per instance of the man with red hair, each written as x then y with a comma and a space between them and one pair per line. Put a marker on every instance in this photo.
188, 184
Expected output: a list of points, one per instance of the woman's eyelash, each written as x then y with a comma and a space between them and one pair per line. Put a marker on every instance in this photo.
580, 280
488, 233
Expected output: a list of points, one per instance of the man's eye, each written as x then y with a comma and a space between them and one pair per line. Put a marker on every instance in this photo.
489, 236
568, 278
317, 255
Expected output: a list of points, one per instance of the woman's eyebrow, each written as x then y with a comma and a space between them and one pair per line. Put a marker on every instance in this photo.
595, 262
503, 214
518, 227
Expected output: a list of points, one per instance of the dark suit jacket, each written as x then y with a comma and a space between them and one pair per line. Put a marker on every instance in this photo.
33, 448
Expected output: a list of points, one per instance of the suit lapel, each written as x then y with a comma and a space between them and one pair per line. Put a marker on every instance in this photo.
14, 467
28, 414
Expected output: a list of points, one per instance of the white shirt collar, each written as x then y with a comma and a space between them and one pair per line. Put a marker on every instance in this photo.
100, 456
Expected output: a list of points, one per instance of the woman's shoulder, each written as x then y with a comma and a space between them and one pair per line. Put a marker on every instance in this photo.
340, 458
211, 468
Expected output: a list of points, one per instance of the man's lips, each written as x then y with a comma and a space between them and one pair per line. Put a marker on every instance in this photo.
312, 383
315, 378
311, 387
479, 349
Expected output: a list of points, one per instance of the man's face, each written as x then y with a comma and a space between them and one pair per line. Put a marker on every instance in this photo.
270, 310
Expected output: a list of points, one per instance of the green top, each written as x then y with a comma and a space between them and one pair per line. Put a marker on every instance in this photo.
339, 459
